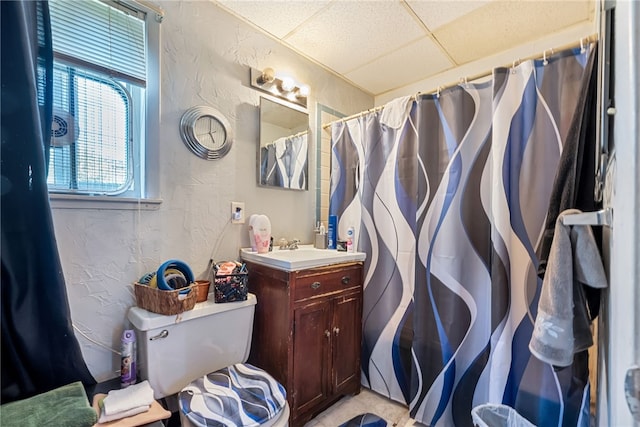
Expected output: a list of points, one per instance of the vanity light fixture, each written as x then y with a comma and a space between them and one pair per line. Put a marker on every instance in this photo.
267, 77
283, 87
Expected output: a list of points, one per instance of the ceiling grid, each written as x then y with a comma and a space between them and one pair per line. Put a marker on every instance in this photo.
364, 41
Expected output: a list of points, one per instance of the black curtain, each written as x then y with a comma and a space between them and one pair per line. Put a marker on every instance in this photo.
39, 349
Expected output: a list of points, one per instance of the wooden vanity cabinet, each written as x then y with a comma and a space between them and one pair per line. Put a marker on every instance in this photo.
307, 333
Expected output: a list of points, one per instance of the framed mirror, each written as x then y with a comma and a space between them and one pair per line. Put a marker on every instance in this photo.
324, 116
283, 158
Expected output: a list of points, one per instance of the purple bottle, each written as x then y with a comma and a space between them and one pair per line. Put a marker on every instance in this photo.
128, 358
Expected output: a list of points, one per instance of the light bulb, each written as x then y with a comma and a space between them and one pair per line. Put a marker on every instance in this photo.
287, 84
303, 91
268, 76
291, 96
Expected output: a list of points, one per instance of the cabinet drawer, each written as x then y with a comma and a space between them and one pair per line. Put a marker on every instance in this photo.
326, 282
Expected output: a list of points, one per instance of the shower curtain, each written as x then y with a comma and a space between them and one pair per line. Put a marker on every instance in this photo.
39, 351
284, 162
448, 194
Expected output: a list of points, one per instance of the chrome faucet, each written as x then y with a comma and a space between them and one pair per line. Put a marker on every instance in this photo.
291, 245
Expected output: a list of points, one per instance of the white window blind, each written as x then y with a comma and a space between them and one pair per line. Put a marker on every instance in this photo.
99, 81
107, 37
91, 136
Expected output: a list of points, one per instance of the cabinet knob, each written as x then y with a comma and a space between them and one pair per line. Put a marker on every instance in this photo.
336, 330
327, 333
315, 285
346, 280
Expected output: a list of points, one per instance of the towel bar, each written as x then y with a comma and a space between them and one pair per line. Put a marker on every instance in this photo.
602, 217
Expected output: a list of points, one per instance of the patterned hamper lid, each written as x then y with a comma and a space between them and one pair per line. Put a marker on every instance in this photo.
239, 395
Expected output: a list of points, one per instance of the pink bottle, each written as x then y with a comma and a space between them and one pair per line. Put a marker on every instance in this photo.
261, 233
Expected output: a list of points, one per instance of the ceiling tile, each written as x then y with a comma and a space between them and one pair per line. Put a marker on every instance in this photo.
501, 25
348, 34
413, 62
278, 18
381, 45
436, 13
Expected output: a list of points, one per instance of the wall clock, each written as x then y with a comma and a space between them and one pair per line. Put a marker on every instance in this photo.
206, 132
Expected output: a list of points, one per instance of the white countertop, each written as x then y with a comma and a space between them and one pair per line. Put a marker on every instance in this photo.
306, 256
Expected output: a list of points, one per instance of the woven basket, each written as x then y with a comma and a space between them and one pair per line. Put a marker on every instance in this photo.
164, 302
202, 290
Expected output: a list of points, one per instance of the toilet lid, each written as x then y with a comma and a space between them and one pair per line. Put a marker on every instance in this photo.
239, 395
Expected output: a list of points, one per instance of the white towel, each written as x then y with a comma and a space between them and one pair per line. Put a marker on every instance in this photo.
574, 260
104, 418
134, 396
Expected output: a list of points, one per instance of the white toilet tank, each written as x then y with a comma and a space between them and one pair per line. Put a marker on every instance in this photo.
175, 350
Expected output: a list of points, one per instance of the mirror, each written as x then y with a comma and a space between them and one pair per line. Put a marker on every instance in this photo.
325, 115
284, 141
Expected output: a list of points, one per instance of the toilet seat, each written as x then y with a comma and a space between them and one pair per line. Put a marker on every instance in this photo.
239, 395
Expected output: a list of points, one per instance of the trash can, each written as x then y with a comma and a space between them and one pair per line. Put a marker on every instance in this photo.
492, 415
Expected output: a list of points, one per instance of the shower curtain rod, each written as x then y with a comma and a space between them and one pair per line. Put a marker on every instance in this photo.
291, 136
298, 134
464, 80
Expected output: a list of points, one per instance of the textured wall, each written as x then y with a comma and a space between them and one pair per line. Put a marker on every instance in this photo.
206, 55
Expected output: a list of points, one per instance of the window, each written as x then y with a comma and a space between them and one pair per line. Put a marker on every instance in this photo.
105, 78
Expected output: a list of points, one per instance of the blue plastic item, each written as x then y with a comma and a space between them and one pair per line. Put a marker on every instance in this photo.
332, 232
181, 266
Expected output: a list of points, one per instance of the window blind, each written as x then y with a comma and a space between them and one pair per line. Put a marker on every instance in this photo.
90, 139
93, 33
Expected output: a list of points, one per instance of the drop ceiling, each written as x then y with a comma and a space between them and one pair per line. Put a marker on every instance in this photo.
387, 44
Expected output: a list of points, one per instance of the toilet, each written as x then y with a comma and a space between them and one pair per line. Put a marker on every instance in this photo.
199, 358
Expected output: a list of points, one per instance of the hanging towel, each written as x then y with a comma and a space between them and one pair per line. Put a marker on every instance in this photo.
395, 113
574, 261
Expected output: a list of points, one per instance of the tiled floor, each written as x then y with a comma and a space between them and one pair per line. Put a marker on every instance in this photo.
395, 414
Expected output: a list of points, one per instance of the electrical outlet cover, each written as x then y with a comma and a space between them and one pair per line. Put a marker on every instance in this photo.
237, 212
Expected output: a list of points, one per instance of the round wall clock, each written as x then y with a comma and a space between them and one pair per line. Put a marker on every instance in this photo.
206, 132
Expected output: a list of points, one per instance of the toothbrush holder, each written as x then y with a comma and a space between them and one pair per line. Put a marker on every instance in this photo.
321, 241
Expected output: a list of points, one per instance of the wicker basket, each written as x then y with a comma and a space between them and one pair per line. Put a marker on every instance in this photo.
164, 302
202, 290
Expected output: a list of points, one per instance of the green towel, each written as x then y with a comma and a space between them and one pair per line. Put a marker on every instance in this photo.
66, 406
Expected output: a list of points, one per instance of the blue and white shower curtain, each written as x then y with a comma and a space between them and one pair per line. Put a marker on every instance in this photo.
448, 194
284, 162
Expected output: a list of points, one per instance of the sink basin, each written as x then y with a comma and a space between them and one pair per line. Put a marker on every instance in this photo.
306, 256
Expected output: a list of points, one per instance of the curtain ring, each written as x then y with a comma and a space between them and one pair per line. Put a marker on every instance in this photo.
544, 58
582, 48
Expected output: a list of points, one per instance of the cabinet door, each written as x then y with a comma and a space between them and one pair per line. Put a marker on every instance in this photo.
347, 336
311, 356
